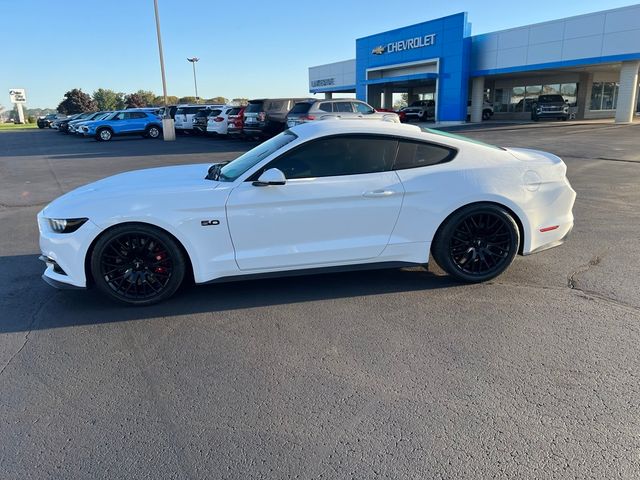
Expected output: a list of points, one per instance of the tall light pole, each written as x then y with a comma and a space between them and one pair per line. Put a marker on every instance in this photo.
168, 127
193, 61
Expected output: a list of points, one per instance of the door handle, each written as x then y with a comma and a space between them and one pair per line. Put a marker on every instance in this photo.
378, 193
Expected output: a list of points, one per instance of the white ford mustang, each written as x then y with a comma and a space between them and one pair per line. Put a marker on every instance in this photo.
321, 196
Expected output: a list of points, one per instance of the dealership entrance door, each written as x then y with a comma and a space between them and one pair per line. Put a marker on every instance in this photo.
381, 95
412, 78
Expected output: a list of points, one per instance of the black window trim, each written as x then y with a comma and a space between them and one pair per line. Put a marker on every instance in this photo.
453, 152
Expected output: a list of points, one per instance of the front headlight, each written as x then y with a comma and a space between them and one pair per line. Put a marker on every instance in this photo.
66, 225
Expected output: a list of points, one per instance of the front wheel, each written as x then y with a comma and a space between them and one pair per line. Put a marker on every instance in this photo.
477, 243
137, 264
104, 135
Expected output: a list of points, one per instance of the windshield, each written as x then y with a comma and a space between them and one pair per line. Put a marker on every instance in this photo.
240, 165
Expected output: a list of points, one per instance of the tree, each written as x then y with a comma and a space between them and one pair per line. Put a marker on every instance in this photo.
147, 97
141, 98
219, 100
241, 102
133, 100
187, 100
108, 99
171, 100
76, 101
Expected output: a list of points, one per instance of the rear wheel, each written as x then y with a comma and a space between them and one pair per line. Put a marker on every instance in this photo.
137, 264
104, 135
477, 243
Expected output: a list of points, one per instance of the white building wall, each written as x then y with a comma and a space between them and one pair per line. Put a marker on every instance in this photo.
339, 74
601, 34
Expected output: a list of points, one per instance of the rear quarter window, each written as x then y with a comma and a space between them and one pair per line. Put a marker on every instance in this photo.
419, 154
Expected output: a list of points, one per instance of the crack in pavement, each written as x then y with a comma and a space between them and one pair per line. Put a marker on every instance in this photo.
571, 280
32, 324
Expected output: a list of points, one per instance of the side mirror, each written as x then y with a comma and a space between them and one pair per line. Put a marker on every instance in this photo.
273, 176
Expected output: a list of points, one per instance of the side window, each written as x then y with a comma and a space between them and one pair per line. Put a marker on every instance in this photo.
138, 115
336, 156
342, 107
363, 108
418, 154
325, 107
119, 116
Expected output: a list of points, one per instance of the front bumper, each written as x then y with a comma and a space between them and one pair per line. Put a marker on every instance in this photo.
65, 253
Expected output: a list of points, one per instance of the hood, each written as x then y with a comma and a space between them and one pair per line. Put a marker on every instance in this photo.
142, 186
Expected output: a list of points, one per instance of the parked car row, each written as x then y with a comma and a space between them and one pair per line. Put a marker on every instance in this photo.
260, 118
103, 126
266, 117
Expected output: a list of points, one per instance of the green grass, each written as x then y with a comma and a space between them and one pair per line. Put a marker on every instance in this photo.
12, 126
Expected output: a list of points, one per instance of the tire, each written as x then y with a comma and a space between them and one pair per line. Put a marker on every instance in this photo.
40, 126
137, 264
486, 114
477, 243
152, 131
104, 135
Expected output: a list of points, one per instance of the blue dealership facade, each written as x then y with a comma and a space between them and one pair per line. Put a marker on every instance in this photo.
592, 60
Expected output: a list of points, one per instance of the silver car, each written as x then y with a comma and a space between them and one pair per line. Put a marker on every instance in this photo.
343, 108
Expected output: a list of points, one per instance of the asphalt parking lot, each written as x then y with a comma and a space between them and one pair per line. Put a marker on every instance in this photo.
398, 374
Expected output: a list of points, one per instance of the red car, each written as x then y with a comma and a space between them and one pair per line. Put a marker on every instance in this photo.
235, 123
401, 114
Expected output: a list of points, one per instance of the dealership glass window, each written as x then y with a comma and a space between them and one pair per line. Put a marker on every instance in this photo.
604, 95
516, 101
501, 100
569, 92
531, 95
609, 96
551, 89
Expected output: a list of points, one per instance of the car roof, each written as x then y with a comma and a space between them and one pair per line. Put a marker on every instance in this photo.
322, 128
336, 126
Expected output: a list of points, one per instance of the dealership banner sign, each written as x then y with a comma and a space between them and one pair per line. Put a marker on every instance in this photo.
17, 95
408, 44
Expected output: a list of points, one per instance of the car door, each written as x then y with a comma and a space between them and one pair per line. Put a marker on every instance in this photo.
339, 205
117, 122
137, 122
344, 110
364, 111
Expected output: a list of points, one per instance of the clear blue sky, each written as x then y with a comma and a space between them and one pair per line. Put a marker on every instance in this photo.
248, 48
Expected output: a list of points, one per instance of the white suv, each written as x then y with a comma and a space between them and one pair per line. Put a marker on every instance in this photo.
343, 108
185, 114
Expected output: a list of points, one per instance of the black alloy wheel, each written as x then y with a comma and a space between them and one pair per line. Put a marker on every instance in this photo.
137, 264
477, 243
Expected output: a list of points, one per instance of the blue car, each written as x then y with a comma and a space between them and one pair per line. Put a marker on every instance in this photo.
143, 122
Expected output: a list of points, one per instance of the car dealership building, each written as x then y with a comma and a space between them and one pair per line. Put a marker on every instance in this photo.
591, 60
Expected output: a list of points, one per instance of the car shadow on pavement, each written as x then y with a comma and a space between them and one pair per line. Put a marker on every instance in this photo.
29, 304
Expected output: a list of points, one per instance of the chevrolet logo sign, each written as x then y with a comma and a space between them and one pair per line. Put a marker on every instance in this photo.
379, 50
